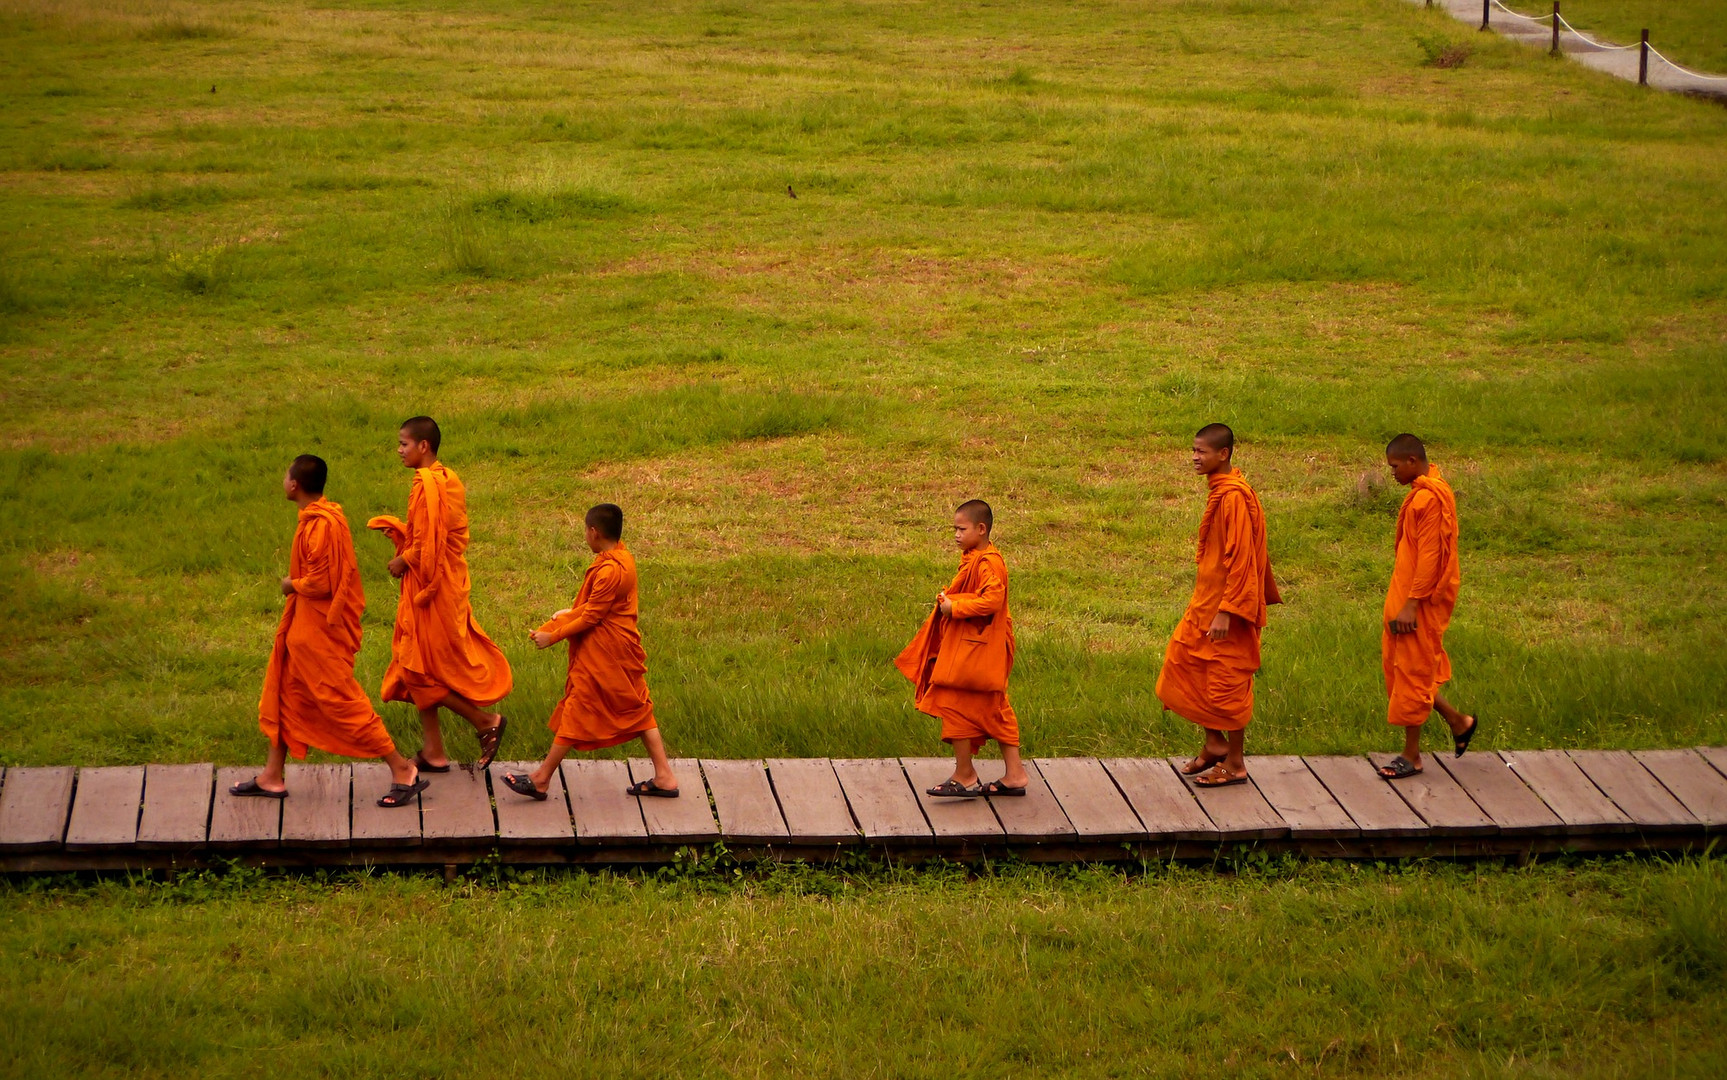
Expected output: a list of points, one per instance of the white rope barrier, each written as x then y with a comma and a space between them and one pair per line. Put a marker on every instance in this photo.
1686, 70
1545, 21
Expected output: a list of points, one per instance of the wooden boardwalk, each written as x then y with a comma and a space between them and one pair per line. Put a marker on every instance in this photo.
1517, 803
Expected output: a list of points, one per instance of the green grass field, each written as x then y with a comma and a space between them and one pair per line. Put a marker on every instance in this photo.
1033, 247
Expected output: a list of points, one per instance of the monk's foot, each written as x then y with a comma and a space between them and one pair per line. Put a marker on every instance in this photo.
1200, 764
1220, 775
490, 740
1460, 740
1400, 768
252, 788
423, 765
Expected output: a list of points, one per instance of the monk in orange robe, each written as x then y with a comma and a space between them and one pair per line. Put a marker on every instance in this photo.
1213, 654
606, 692
311, 698
1418, 606
439, 656
961, 658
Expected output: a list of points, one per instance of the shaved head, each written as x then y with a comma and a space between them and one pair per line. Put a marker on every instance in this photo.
1406, 446
1217, 436
310, 472
977, 512
608, 518
423, 429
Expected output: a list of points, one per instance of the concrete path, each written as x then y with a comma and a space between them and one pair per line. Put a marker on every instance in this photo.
1618, 60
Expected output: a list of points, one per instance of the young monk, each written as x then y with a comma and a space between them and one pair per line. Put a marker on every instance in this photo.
606, 693
1418, 606
311, 697
439, 656
1213, 654
960, 661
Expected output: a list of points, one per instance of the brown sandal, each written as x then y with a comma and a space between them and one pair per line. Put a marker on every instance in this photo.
490, 740
1218, 776
1200, 764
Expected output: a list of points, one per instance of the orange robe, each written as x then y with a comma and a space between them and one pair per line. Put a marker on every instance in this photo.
438, 649
606, 693
1427, 569
1211, 682
960, 664
311, 697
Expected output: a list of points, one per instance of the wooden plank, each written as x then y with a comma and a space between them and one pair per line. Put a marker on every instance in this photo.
687, 819
522, 820
247, 821
1088, 796
950, 819
105, 808
1300, 799
1376, 809
1571, 795
1033, 818
881, 799
1631, 787
371, 825
811, 801
1164, 804
1239, 811
604, 813
176, 806
744, 801
34, 806
315, 813
457, 809
1689, 777
1716, 756
1440, 800
1502, 795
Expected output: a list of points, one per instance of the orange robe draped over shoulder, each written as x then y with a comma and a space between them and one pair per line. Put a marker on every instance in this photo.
960, 664
438, 649
1211, 682
606, 693
311, 697
1427, 569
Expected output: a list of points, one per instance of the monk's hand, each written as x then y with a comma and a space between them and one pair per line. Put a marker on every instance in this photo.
1219, 626
542, 639
287, 586
1404, 621
944, 605
398, 566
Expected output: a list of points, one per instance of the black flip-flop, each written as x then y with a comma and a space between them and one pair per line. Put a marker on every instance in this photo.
999, 787
400, 794
1461, 742
1201, 781
953, 789
523, 785
250, 789
423, 765
490, 741
648, 789
1400, 768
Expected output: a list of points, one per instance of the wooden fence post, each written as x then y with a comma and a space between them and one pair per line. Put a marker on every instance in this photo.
1484, 4
1555, 27
1643, 61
